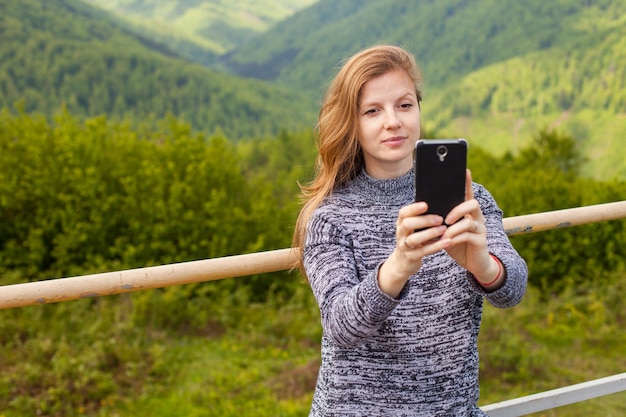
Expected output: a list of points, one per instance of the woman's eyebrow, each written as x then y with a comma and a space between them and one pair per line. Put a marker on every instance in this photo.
374, 102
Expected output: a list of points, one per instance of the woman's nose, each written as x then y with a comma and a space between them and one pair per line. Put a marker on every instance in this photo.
391, 120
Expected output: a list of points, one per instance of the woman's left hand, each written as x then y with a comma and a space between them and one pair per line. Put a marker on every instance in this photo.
468, 235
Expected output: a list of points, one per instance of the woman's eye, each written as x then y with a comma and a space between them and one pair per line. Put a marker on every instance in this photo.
406, 105
370, 111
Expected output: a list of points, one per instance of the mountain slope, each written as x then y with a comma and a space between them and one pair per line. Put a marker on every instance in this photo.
450, 38
581, 92
495, 71
58, 52
203, 29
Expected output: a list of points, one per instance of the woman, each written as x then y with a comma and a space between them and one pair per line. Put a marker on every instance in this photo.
400, 309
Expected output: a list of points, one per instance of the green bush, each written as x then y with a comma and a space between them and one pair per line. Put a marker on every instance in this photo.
84, 197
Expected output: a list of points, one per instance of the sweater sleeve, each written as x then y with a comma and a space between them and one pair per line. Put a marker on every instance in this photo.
352, 307
498, 243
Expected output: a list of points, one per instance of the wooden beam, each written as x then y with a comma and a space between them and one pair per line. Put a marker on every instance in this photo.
109, 283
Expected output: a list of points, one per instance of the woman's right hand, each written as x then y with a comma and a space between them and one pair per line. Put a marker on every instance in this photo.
411, 246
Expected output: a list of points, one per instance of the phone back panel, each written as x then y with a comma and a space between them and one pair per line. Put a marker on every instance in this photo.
440, 167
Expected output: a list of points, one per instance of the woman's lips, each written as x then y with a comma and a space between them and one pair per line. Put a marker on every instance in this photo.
395, 141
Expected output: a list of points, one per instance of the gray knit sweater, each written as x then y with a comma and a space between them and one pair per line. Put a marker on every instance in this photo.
412, 356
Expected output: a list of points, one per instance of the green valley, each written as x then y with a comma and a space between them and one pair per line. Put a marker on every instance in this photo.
64, 53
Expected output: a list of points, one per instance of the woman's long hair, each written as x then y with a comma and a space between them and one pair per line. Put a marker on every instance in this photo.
340, 157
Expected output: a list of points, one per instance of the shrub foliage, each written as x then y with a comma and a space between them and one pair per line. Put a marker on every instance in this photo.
93, 196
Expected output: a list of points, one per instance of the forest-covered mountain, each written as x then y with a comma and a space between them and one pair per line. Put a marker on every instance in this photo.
451, 38
64, 52
495, 71
212, 25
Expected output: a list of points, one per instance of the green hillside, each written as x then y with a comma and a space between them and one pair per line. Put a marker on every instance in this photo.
56, 53
582, 94
495, 71
201, 30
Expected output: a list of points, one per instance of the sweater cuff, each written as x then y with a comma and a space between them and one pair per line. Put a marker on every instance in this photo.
380, 300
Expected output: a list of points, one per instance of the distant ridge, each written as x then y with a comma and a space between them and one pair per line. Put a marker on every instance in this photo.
64, 52
496, 71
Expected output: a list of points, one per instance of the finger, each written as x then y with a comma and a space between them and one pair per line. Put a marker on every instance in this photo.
469, 192
467, 230
470, 224
414, 209
424, 237
412, 224
469, 207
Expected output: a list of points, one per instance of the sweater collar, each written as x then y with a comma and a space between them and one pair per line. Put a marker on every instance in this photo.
375, 187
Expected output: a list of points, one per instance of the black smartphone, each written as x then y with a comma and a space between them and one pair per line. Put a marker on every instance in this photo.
440, 166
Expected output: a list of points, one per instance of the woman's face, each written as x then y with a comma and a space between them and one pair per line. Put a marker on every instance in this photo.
389, 123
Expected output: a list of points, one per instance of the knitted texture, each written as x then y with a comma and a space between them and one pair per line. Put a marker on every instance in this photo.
412, 356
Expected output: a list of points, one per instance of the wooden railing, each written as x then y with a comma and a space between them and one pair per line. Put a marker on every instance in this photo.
558, 397
108, 283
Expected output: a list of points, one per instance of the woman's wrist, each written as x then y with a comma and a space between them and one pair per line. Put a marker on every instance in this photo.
493, 280
390, 279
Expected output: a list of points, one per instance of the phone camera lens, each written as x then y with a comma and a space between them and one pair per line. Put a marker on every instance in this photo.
442, 151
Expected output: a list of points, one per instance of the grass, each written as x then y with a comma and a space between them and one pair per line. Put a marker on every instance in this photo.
555, 341
261, 359
230, 377
265, 364
536, 346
